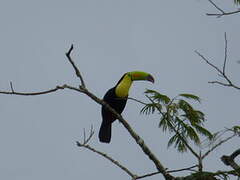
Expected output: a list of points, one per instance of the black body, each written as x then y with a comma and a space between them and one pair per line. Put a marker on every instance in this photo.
108, 117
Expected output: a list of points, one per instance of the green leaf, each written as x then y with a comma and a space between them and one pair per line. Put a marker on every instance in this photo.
194, 116
203, 131
148, 109
237, 2
165, 122
180, 145
172, 140
191, 96
185, 106
178, 117
157, 96
187, 131
191, 133
236, 129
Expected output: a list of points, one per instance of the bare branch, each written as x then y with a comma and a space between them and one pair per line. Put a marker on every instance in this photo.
170, 171
217, 145
208, 62
225, 53
107, 157
11, 86
12, 92
85, 145
65, 86
148, 175
222, 12
216, 6
86, 140
183, 169
68, 54
228, 161
136, 100
222, 72
224, 84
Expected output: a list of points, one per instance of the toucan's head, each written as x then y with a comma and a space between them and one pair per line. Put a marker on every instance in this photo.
140, 75
125, 82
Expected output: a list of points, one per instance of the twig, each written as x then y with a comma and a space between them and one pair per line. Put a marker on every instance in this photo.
222, 12
136, 100
170, 171
148, 175
68, 54
107, 157
12, 92
208, 62
216, 6
85, 145
225, 53
222, 72
86, 140
11, 86
183, 169
217, 145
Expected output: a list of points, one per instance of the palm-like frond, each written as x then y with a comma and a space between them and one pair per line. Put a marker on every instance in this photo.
178, 116
237, 2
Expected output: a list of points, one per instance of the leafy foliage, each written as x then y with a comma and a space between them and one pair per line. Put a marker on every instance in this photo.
207, 176
190, 96
237, 2
236, 129
178, 117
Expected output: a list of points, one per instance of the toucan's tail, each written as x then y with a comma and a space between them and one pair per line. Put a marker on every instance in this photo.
105, 132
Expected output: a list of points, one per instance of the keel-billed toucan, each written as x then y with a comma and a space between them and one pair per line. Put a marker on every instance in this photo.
116, 97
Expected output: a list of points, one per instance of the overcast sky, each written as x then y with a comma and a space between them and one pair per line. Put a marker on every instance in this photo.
110, 37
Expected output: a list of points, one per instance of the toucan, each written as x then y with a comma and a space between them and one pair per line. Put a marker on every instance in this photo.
116, 97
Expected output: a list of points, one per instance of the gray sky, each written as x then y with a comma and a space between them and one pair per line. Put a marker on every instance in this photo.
111, 37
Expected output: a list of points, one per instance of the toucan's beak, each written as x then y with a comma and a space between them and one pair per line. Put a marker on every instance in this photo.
150, 78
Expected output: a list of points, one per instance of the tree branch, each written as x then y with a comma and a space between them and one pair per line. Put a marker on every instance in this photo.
229, 161
85, 145
183, 169
216, 6
235, 154
170, 171
68, 54
136, 100
217, 145
222, 12
13, 92
222, 72
225, 53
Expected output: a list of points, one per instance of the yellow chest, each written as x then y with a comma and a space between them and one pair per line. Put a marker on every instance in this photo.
123, 87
